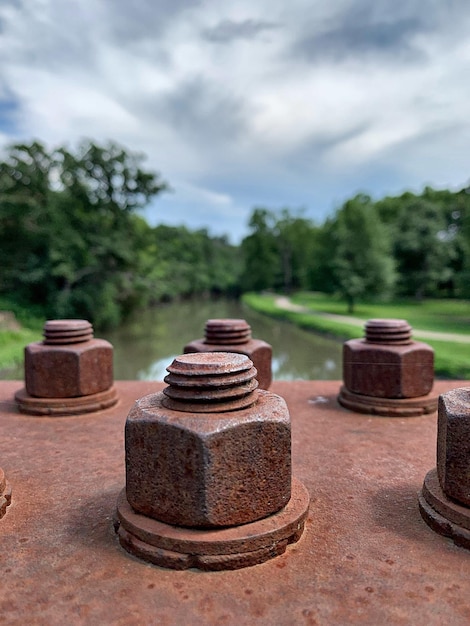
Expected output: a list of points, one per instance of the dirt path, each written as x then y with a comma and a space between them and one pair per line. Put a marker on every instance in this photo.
285, 303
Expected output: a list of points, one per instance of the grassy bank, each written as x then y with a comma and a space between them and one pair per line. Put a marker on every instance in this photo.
12, 343
449, 316
19, 329
452, 359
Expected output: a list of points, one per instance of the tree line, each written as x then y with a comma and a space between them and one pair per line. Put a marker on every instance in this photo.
408, 246
72, 242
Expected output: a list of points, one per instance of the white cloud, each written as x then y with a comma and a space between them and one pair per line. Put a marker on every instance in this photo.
242, 103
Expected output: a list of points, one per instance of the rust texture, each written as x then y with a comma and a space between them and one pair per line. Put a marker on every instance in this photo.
366, 557
69, 372
387, 373
5, 493
209, 452
445, 497
234, 335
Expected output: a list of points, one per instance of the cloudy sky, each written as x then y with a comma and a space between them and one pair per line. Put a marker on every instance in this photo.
238, 104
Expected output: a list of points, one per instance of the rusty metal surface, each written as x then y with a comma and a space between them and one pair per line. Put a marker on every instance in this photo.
366, 556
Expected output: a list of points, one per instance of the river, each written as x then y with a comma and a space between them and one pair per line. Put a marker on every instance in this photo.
147, 344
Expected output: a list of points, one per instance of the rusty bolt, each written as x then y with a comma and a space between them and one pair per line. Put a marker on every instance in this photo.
453, 445
444, 500
68, 365
234, 335
69, 362
210, 450
5, 493
388, 363
208, 469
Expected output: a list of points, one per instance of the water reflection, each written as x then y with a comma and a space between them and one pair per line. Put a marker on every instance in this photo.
146, 345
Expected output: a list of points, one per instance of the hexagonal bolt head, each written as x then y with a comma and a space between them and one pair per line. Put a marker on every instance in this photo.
68, 363
388, 364
204, 470
453, 444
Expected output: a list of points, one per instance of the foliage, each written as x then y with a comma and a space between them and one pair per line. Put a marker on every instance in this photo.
410, 245
259, 250
66, 227
277, 252
72, 244
361, 264
425, 243
183, 263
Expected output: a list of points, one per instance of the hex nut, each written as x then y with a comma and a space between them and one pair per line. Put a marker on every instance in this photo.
453, 444
208, 470
66, 371
388, 371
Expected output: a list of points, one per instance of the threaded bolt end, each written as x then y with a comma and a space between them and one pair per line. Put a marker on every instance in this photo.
227, 331
210, 382
67, 331
388, 331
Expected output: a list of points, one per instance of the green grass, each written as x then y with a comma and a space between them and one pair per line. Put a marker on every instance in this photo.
12, 342
436, 315
266, 304
452, 359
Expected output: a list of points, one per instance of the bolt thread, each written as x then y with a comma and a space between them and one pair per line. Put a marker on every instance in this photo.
210, 382
67, 331
388, 331
227, 331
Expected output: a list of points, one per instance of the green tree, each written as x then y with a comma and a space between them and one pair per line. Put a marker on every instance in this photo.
260, 253
462, 240
67, 227
361, 265
183, 263
279, 251
424, 232
25, 238
296, 239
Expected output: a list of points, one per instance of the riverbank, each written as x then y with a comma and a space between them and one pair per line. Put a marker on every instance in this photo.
18, 327
444, 325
